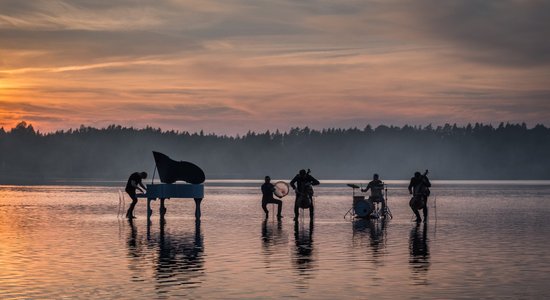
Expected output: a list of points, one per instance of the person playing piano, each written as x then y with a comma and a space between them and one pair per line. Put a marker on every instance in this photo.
267, 197
134, 183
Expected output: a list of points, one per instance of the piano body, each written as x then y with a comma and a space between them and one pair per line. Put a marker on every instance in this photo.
169, 172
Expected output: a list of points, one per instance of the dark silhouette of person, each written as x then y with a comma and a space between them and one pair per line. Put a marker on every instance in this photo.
134, 183
302, 184
267, 197
419, 187
376, 187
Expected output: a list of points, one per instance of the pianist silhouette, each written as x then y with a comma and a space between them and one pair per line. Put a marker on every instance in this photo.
134, 183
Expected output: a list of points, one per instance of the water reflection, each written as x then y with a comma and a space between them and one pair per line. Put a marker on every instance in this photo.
136, 252
375, 229
304, 255
178, 257
272, 235
419, 259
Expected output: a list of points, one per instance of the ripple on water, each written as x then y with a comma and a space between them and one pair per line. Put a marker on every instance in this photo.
67, 242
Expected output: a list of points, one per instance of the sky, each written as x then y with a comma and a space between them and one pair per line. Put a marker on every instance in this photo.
230, 66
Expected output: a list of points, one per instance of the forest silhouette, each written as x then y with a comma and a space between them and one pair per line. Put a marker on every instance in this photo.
479, 151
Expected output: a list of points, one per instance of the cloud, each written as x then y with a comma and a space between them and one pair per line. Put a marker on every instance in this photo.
239, 65
504, 32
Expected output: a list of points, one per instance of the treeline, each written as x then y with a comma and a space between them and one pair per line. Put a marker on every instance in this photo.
508, 151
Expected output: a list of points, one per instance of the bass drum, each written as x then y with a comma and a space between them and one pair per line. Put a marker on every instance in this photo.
363, 208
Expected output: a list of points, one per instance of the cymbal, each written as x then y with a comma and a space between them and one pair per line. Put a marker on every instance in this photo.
351, 185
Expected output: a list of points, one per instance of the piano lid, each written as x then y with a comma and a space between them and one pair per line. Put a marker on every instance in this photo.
171, 171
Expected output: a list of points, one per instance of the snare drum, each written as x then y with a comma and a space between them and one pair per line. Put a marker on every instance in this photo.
363, 208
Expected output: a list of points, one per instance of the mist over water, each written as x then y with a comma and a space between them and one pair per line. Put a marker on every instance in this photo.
487, 239
473, 152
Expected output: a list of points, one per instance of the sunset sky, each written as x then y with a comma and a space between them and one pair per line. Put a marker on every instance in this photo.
229, 66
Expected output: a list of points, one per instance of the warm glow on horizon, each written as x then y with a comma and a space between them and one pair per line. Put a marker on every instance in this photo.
239, 66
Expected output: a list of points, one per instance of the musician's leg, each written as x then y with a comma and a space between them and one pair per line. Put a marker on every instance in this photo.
130, 212
279, 208
311, 211
264, 207
416, 213
425, 209
296, 208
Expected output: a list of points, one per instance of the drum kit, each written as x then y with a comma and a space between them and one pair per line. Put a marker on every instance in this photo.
368, 208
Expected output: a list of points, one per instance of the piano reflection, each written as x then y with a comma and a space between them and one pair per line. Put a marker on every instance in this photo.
169, 172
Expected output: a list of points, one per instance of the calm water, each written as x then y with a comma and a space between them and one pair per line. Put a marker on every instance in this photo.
483, 240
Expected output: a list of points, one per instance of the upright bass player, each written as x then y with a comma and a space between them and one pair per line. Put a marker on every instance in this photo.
419, 187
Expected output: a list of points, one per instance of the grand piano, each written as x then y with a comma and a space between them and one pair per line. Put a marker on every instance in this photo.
169, 172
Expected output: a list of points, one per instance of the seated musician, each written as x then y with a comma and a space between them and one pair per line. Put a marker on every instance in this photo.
134, 182
376, 187
267, 197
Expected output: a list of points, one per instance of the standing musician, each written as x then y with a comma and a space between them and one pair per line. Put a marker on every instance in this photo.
267, 197
302, 184
419, 187
376, 187
134, 183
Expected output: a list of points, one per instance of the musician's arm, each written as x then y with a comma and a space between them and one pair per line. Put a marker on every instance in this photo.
292, 182
142, 187
411, 184
313, 180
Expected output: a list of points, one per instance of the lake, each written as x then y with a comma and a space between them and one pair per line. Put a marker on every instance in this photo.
484, 239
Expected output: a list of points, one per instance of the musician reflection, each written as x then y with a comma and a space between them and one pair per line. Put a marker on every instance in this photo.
271, 233
377, 233
135, 252
419, 259
272, 238
303, 260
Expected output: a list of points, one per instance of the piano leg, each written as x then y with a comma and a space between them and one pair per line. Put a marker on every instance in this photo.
198, 208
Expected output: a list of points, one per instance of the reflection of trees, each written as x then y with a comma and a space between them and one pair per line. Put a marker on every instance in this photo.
376, 230
419, 259
304, 261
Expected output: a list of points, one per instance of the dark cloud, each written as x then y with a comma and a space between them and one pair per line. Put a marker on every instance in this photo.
28, 107
504, 32
188, 110
82, 46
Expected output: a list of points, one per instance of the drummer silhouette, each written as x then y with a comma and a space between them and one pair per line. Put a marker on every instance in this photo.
376, 187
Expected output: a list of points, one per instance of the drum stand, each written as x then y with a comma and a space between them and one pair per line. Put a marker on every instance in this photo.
354, 187
387, 211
